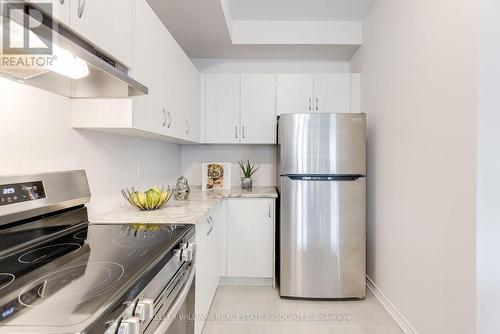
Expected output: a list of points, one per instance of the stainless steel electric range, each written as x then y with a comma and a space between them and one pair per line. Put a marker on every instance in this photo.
60, 274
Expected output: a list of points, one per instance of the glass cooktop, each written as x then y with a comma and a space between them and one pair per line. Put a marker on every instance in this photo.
65, 281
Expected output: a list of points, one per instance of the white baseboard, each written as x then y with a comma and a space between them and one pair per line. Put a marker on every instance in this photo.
402, 322
254, 281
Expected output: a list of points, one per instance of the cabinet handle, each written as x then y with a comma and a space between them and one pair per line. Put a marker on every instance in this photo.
62, 2
243, 132
236, 132
187, 127
269, 210
169, 119
210, 222
310, 104
164, 116
81, 7
317, 104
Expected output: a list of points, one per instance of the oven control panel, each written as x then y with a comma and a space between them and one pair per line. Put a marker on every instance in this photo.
21, 192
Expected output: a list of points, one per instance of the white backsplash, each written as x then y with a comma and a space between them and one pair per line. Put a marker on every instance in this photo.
192, 156
36, 136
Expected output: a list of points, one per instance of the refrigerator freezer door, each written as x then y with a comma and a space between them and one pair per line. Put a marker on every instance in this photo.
322, 238
322, 144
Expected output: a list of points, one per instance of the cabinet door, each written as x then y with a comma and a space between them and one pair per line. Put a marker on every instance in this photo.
106, 24
183, 93
60, 9
222, 108
204, 272
174, 89
250, 237
258, 109
332, 92
149, 111
219, 217
294, 93
192, 102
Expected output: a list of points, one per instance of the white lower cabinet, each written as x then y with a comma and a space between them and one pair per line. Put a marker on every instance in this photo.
235, 239
219, 217
250, 238
204, 285
210, 258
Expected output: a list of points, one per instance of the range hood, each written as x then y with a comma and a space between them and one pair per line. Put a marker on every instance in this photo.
73, 66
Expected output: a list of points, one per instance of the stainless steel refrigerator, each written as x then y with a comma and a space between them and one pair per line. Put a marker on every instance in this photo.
322, 167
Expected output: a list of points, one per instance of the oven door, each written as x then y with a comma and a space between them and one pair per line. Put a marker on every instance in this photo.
179, 319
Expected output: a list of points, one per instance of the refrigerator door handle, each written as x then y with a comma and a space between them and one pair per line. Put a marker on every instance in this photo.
325, 177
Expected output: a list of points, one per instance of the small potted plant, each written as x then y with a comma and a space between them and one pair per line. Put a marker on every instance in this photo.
248, 170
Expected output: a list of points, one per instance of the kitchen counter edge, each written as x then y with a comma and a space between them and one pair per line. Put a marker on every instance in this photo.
191, 211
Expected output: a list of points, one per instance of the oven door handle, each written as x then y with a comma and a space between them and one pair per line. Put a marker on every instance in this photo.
177, 304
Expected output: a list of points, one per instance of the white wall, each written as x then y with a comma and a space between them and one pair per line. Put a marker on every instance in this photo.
488, 177
214, 65
418, 66
192, 156
36, 136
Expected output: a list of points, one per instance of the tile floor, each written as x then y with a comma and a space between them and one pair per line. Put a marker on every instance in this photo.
249, 310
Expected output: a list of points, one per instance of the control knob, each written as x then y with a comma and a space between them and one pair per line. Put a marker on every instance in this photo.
129, 326
187, 252
145, 309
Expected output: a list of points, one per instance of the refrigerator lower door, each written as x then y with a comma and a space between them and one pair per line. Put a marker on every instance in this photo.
322, 237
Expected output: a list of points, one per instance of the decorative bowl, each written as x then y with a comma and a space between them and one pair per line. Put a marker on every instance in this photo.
151, 199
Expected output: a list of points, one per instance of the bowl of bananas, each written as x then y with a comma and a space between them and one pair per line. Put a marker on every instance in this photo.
151, 199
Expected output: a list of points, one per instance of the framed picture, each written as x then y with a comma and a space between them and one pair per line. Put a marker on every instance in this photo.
216, 175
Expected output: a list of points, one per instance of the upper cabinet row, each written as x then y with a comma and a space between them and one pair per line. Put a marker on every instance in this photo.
171, 109
103, 23
243, 108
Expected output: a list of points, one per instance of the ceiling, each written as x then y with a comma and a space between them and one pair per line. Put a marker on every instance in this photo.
299, 9
203, 27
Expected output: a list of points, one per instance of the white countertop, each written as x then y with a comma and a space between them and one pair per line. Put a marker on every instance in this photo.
175, 212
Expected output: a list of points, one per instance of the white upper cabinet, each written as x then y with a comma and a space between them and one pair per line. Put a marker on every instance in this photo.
294, 93
171, 110
60, 9
243, 108
106, 24
319, 92
240, 109
222, 108
149, 111
258, 109
172, 107
193, 100
332, 92
183, 93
